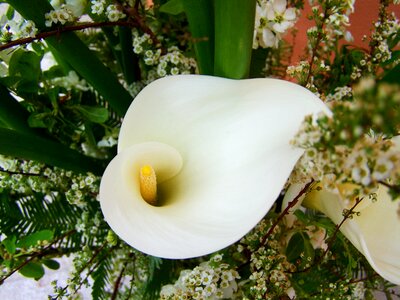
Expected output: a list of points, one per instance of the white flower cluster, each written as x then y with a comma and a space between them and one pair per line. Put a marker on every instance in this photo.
14, 30
71, 81
114, 13
273, 19
210, 280
143, 45
97, 6
174, 63
340, 93
60, 15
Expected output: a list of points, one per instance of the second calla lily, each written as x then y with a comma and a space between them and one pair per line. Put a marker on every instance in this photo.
212, 156
374, 232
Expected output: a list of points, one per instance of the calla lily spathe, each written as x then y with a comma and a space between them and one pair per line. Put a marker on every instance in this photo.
375, 232
221, 151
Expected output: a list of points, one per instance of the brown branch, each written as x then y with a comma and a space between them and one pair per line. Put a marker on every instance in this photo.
317, 42
36, 255
118, 282
333, 238
46, 34
291, 204
395, 188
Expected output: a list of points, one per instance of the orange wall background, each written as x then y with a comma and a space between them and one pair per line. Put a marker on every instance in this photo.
365, 13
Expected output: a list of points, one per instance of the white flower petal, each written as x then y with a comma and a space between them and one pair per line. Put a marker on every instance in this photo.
233, 137
269, 40
375, 233
279, 6
282, 27
290, 14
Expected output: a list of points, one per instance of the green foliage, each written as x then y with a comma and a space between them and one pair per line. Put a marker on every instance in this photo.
101, 277
173, 7
32, 270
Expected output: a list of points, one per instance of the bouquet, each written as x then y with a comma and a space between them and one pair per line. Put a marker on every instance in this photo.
174, 150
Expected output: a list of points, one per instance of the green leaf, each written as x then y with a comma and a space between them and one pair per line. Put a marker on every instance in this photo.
51, 264
12, 113
34, 238
68, 46
234, 28
10, 13
258, 58
393, 75
295, 247
28, 146
32, 270
9, 244
200, 14
93, 114
173, 7
38, 120
25, 65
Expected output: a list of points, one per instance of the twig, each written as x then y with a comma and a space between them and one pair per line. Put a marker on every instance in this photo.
333, 238
22, 173
291, 204
56, 32
36, 255
118, 282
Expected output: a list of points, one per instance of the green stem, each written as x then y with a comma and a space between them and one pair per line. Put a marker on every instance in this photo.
30, 147
77, 54
129, 61
234, 26
200, 14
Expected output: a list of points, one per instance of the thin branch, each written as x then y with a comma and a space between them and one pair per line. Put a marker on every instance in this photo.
333, 238
395, 188
291, 204
22, 173
118, 282
56, 32
36, 255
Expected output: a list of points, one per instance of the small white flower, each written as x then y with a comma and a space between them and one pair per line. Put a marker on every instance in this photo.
282, 18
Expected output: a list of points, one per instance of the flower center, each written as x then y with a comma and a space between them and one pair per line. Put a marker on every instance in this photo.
148, 184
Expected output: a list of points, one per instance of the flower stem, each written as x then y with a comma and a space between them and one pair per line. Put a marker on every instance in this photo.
234, 28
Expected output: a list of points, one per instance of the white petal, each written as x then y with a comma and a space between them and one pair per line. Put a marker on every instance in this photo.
233, 137
269, 39
290, 14
279, 6
282, 27
375, 233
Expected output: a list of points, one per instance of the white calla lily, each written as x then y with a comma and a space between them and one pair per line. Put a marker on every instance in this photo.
374, 232
221, 152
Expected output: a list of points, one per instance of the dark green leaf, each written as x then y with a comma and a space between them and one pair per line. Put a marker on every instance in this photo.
234, 26
301, 216
86, 64
258, 63
32, 270
172, 7
24, 67
93, 114
200, 14
31, 147
12, 113
9, 244
10, 13
295, 247
34, 238
38, 120
51, 264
